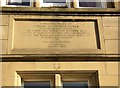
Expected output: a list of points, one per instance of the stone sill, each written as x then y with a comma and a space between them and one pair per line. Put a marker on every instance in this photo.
62, 10
60, 58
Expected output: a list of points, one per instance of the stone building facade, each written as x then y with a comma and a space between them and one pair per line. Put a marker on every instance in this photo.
60, 46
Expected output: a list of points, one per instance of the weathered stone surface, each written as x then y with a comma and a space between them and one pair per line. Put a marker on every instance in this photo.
21, 37
112, 46
112, 68
31, 9
4, 19
111, 33
111, 21
10, 81
3, 32
55, 36
10, 68
110, 80
3, 46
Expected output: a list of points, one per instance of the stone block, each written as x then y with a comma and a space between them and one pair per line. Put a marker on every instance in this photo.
100, 66
108, 81
111, 33
10, 81
3, 32
46, 66
9, 69
112, 68
111, 21
112, 46
4, 19
3, 46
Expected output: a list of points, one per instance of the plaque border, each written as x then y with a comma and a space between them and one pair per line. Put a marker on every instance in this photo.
86, 51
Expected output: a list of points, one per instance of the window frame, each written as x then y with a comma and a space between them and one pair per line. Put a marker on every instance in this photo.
81, 76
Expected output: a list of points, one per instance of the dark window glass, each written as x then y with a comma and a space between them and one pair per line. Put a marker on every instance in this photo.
54, 1
36, 84
19, 2
87, 4
75, 85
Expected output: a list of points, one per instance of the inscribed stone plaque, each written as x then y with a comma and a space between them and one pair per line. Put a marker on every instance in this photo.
54, 36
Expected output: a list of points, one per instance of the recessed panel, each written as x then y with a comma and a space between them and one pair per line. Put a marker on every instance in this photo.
64, 36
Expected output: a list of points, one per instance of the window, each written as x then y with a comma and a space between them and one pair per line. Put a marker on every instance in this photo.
75, 84
74, 3
91, 3
64, 79
16, 2
53, 3
36, 84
